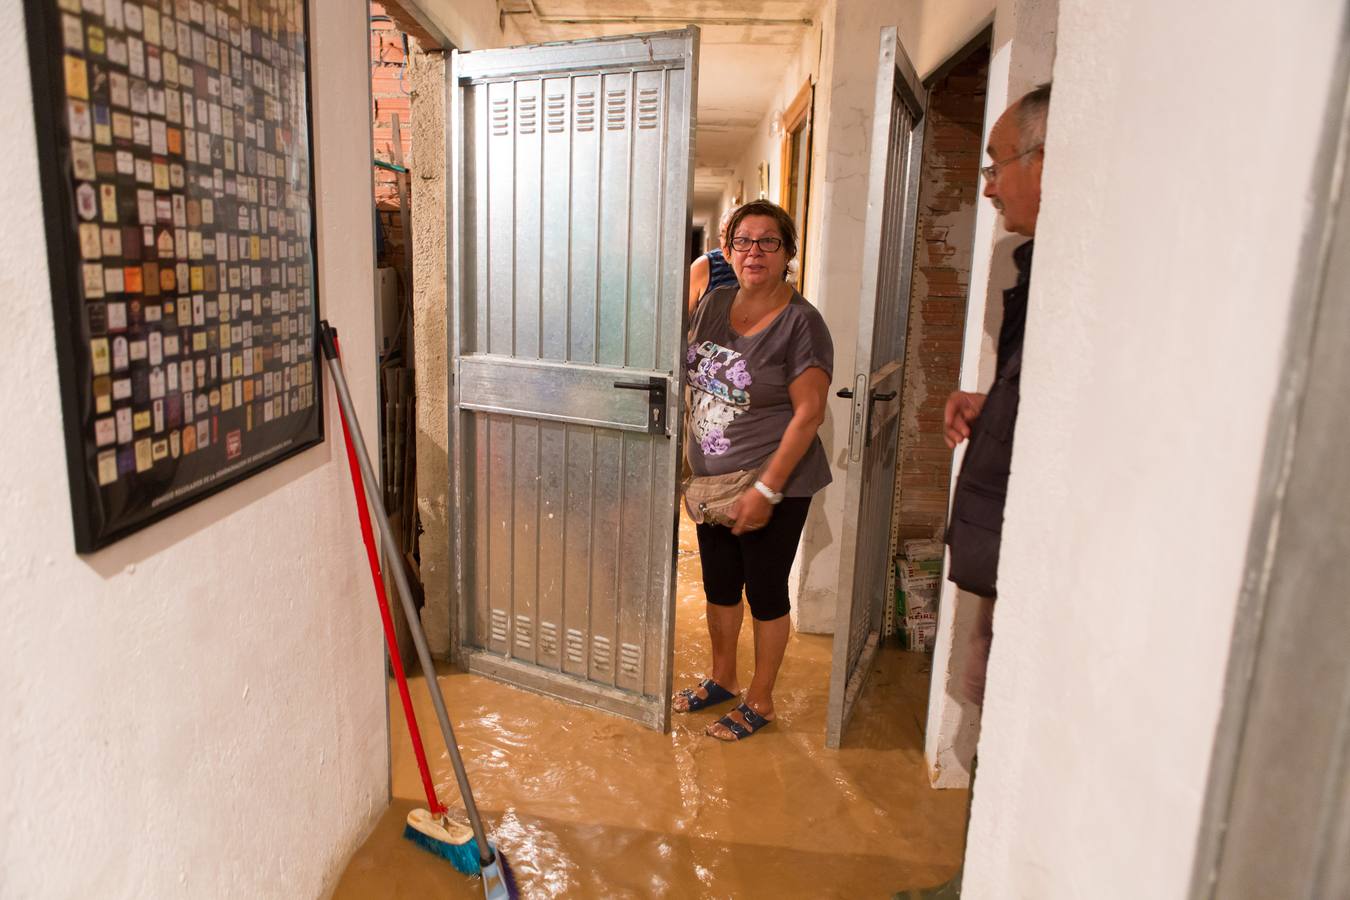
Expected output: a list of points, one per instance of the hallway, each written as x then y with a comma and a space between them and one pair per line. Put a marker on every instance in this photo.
596, 806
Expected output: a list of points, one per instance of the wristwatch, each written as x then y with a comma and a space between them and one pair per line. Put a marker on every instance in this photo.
774, 497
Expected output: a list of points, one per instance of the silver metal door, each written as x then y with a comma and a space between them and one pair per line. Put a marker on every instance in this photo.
570, 191
883, 314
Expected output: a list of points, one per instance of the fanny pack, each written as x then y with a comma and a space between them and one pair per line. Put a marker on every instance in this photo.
709, 499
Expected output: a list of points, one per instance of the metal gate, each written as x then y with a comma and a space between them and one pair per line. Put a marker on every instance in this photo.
883, 315
571, 180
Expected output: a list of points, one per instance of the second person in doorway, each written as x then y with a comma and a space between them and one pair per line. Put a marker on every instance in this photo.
713, 269
759, 365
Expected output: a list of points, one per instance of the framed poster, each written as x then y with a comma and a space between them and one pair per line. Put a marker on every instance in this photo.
174, 141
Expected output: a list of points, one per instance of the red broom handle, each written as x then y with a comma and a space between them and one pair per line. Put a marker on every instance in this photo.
395, 659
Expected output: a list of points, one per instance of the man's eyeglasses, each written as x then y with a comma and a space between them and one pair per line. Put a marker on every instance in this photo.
991, 171
766, 244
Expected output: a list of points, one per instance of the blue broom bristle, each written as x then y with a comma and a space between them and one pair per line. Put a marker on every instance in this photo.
464, 857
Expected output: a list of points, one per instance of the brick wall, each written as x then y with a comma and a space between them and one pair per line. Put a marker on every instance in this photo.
948, 196
390, 84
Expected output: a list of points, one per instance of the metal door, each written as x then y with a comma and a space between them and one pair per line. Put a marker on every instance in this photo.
571, 180
883, 315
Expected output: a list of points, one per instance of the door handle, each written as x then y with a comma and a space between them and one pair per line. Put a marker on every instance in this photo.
847, 394
859, 434
656, 389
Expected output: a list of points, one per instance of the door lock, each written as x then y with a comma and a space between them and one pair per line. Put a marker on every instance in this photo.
656, 389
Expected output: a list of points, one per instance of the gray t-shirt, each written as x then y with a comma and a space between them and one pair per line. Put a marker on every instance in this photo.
737, 405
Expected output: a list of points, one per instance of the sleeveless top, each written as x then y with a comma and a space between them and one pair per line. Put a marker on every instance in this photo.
720, 273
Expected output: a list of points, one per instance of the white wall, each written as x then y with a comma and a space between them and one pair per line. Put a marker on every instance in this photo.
198, 710
470, 24
938, 28
1177, 169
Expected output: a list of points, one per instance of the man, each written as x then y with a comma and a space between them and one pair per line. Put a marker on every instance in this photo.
1013, 185
1012, 182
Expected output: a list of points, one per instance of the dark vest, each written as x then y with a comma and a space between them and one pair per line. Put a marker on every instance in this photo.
975, 531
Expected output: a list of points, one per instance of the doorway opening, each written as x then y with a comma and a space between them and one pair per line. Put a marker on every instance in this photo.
943, 253
919, 324
391, 52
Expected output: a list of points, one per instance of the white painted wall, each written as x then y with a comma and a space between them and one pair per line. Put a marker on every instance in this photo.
1022, 53
470, 24
938, 28
1175, 196
198, 710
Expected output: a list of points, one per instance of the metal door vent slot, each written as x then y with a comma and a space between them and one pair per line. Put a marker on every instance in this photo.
524, 632
586, 111
499, 621
501, 117
527, 117
601, 657
555, 113
576, 644
616, 110
548, 638
648, 100
630, 658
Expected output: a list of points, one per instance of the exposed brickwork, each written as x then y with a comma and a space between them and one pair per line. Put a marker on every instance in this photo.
390, 87
947, 200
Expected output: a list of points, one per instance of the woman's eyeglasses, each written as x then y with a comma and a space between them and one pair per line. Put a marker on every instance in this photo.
743, 244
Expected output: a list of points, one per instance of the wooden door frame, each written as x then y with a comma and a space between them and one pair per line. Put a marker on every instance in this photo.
799, 115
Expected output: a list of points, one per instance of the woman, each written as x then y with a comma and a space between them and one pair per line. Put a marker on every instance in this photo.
760, 359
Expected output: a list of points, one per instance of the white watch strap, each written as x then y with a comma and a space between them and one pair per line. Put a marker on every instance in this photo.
774, 497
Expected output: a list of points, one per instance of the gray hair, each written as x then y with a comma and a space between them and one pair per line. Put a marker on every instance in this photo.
1032, 112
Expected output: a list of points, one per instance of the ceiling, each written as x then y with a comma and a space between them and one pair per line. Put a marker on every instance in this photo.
744, 50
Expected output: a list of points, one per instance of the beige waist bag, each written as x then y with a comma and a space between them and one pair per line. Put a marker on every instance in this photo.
709, 499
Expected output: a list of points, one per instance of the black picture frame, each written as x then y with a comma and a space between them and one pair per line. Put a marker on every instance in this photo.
175, 146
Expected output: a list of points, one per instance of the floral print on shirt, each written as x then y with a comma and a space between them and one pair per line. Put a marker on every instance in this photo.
718, 380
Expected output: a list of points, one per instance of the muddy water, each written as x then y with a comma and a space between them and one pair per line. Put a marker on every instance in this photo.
584, 804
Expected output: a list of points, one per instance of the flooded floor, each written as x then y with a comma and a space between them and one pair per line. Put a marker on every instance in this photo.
584, 804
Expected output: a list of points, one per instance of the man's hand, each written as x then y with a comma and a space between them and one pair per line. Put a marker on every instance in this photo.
750, 512
963, 408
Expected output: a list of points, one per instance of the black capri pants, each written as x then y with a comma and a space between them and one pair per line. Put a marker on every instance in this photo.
758, 561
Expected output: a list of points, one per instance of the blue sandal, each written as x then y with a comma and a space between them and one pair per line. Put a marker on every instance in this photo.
753, 722
715, 694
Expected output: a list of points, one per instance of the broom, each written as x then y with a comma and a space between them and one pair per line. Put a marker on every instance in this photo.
431, 828
453, 841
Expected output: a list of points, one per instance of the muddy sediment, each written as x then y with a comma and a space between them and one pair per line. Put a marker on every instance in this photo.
584, 804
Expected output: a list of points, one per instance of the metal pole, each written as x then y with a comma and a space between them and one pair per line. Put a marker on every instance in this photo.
391, 547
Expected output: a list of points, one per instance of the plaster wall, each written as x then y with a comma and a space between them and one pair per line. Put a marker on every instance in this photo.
938, 28
765, 145
428, 72
470, 24
1022, 56
1158, 311
431, 339
199, 709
